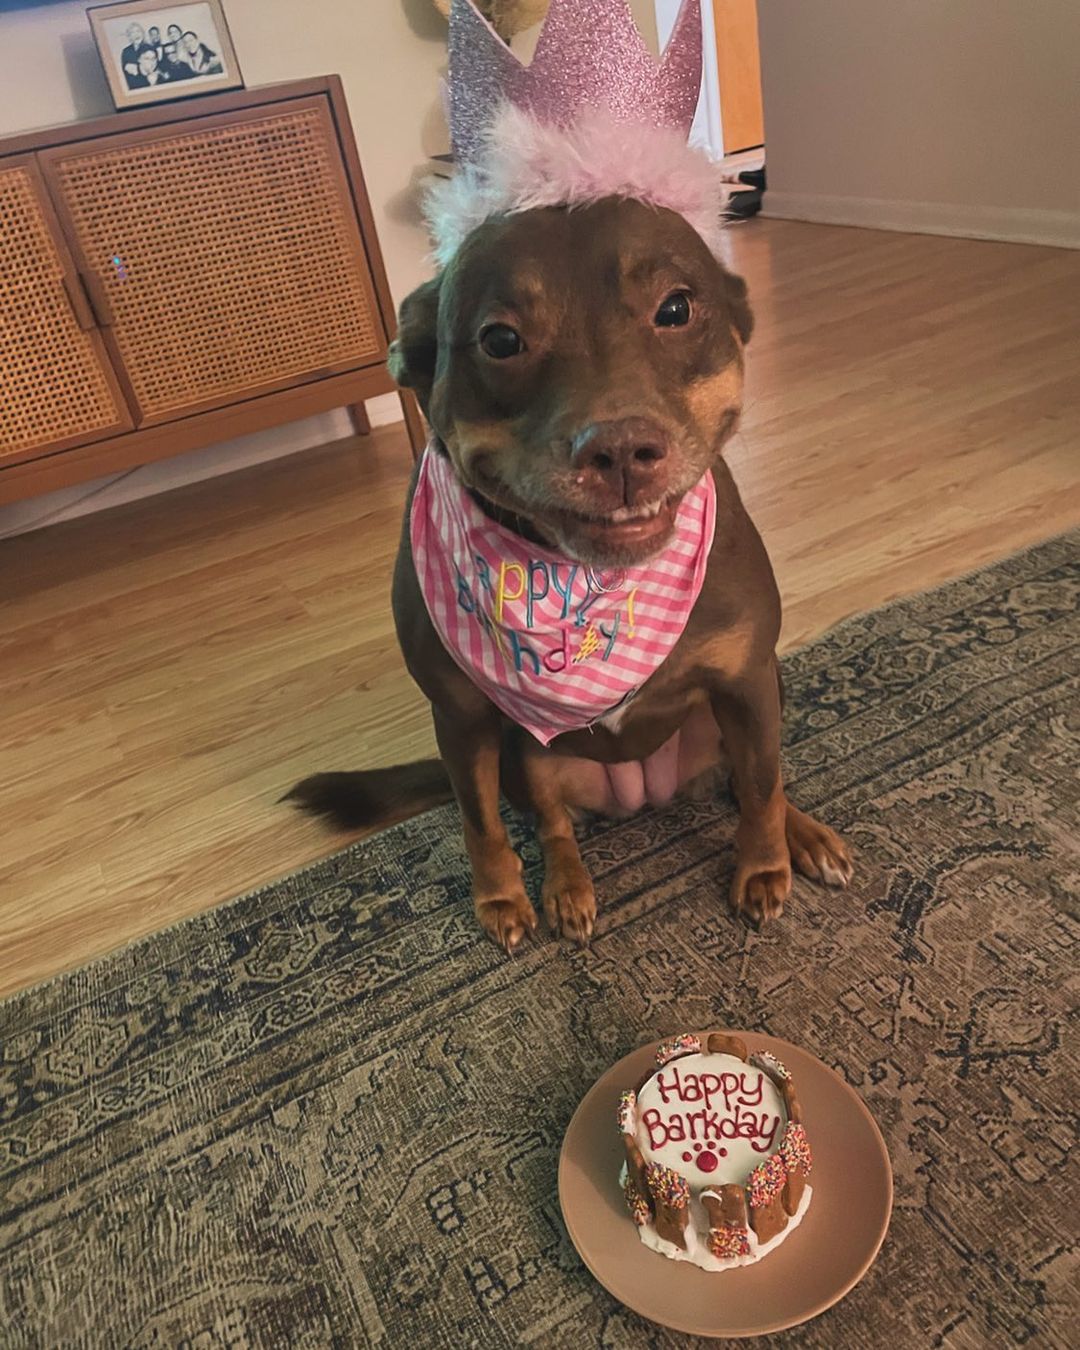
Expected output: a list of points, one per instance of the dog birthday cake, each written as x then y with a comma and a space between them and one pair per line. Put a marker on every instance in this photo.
717, 1157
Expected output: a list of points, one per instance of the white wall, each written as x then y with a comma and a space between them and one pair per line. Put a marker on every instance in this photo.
390, 55
941, 116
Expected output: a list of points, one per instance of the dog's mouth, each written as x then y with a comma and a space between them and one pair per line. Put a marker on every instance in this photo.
626, 528
623, 534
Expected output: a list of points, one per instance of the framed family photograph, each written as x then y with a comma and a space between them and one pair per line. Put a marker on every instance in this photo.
154, 52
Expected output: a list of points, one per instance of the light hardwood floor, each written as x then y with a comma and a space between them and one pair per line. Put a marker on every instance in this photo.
167, 669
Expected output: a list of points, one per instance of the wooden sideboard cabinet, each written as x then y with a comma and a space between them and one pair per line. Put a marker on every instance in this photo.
183, 274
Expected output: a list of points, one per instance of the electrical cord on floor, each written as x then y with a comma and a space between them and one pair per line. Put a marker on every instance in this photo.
50, 516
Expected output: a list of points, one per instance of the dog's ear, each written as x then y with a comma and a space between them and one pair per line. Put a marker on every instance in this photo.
742, 318
413, 352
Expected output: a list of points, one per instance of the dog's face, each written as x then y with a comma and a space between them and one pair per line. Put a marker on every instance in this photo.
582, 368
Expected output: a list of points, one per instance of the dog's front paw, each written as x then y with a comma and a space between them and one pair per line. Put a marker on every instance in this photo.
507, 920
759, 891
816, 850
568, 895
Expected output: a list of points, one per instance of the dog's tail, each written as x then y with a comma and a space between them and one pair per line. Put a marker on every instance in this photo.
373, 797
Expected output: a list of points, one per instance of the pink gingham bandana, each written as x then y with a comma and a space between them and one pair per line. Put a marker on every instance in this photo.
554, 644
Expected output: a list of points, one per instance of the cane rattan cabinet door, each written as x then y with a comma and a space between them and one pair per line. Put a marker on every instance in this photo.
222, 254
56, 386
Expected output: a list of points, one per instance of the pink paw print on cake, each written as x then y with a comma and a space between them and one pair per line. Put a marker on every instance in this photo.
707, 1159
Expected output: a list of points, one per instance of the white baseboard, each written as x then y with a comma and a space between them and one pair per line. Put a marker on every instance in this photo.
1016, 224
165, 474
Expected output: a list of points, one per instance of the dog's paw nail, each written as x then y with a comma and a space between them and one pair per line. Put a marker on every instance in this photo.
760, 896
576, 932
807, 866
835, 871
745, 910
507, 922
571, 914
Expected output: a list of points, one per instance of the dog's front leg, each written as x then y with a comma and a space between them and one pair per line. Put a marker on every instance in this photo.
747, 709
470, 750
568, 896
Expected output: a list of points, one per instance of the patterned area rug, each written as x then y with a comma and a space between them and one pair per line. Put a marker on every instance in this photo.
329, 1114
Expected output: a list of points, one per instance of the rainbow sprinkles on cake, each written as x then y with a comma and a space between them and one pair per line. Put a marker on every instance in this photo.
717, 1157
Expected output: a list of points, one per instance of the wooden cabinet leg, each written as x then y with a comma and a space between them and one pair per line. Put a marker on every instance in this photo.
414, 423
361, 424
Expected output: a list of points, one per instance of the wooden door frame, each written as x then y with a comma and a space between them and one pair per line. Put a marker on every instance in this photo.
666, 11
748, 43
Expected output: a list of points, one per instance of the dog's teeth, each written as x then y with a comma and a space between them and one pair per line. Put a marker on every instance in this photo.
627, 513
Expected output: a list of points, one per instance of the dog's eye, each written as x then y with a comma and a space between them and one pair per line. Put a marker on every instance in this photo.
674, 312
500, 341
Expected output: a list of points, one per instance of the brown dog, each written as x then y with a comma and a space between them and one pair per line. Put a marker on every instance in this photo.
582, 369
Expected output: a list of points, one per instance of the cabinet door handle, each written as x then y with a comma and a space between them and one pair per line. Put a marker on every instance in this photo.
99, 299
77, 299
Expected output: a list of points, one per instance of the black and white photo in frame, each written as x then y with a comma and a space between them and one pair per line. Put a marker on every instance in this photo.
153, 52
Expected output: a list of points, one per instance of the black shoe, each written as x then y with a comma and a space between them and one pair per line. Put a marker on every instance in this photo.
743, 205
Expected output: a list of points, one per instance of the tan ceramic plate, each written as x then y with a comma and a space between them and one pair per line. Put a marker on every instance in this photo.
823, 1259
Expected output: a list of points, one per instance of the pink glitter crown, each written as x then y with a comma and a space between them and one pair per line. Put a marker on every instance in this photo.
590, 56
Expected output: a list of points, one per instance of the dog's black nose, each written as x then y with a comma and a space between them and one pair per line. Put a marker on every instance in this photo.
630, 449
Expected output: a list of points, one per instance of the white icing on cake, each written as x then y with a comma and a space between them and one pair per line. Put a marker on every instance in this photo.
711, 1118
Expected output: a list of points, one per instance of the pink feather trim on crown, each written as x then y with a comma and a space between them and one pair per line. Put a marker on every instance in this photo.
526, 164
595, 115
